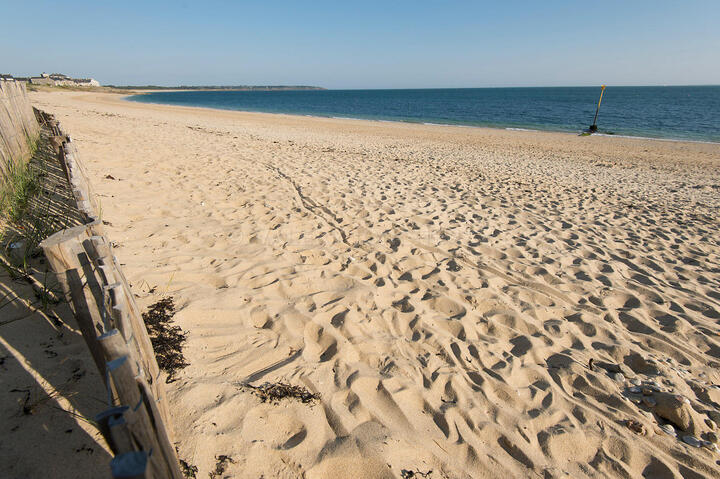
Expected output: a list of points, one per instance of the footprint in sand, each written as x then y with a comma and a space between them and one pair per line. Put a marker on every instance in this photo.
319, 345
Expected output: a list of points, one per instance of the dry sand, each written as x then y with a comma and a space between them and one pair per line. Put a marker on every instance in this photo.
443, 289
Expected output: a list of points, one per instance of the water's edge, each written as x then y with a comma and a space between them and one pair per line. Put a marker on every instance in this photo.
138, 98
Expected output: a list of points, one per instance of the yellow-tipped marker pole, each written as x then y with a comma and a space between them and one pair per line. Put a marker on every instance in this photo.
593, 127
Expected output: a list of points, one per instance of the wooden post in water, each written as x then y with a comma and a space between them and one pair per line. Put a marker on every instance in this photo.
593, 127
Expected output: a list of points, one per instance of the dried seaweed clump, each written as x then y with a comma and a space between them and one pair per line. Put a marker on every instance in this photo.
189, 470
167, 339
409, 474
273, 392
221, 465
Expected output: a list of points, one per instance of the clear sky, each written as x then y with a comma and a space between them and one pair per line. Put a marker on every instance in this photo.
366, 44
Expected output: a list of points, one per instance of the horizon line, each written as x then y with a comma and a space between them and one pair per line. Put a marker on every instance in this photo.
410, 88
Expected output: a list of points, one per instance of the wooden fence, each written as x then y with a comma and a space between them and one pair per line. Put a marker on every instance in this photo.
18, 126
136, 424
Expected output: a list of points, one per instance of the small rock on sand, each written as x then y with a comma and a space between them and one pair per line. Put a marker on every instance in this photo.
715, 416
676, 410
636, 426
259, 317
640, 365
649, 401
616, 368
692, 440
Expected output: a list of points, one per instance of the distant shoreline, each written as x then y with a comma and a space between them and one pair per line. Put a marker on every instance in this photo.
142, 97
152, 88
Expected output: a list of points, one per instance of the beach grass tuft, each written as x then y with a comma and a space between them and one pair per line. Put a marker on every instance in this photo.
26, 219
21, 183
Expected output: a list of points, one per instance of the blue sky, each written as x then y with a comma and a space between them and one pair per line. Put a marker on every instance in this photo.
390, 44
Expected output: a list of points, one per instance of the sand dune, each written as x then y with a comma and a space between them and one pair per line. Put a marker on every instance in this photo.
442, 289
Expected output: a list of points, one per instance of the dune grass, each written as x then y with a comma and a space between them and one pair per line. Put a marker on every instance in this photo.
26, 218
15, 193
19, 184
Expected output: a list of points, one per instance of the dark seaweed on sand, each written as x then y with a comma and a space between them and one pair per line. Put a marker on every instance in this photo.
409, 474
167, 340
189, 471
221, 465
273, 392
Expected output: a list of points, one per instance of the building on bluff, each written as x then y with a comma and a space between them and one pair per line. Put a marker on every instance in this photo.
58, 79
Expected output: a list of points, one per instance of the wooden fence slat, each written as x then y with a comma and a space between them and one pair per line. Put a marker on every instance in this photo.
145, 345
138, 323
102, 248
128, 318
103, 424
120, 435
124, 378
160, 426
131, 465
118, 311
83, 314
62, 251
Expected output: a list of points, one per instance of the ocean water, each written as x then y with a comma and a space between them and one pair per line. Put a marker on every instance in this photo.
673, 112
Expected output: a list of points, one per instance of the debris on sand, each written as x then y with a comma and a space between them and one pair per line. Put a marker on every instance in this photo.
167, 340
221, 465
636, 427
273, 392
409, 474
189, 470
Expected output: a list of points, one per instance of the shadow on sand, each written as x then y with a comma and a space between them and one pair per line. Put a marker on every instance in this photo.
49, 386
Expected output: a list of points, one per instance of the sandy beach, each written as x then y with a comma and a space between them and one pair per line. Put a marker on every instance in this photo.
465, 302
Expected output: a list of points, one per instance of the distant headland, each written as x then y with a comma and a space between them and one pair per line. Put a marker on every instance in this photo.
60, 80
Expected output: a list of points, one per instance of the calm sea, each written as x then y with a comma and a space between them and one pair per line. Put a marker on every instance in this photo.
674, 112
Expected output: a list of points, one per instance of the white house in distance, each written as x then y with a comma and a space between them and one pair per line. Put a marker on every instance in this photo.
58, 79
